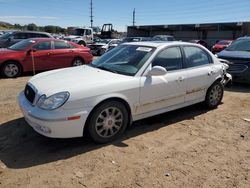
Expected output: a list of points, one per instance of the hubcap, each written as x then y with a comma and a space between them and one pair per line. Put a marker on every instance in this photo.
109, 122
77, 62
11, 70
215, 95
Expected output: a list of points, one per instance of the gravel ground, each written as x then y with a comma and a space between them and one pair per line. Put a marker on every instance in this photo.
190, 147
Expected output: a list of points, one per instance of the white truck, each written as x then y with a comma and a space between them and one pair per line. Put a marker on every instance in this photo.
81, 36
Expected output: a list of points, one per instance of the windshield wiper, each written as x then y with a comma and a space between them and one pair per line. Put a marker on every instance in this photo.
105, 68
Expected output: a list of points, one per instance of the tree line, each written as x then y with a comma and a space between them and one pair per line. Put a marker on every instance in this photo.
34, 27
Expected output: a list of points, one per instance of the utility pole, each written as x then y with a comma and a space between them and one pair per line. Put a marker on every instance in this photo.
134, 17
91, 14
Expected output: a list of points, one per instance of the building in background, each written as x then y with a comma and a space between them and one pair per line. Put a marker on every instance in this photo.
210, 32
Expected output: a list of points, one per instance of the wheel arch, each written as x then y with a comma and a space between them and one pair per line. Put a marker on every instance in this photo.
78, 57
111, 98
12, 60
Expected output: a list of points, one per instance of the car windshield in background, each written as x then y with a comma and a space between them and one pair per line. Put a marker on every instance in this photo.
223, 43
240, 45
124, 59
21, 45
5, 36
78, 32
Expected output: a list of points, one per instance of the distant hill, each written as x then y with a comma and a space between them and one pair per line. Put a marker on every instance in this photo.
5, 24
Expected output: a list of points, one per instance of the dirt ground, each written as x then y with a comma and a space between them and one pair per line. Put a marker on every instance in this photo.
191, 147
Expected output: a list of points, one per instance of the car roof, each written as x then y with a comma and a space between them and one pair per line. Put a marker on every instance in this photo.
39, 32
157, 44
45, 39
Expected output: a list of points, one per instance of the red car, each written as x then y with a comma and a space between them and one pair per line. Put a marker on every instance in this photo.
41, 54
221, 45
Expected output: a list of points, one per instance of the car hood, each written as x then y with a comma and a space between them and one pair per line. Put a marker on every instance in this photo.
73, 36
5, 51
234, 54
87, 80
9, 54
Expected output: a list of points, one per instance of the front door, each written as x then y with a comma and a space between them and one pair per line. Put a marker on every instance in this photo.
42, 57
160, 92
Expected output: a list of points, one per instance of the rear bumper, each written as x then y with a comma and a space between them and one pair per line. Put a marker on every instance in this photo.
51, 123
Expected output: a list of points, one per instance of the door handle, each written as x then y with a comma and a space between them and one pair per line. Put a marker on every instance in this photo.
49, 53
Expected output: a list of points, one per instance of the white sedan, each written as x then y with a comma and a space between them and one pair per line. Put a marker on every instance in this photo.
131, 82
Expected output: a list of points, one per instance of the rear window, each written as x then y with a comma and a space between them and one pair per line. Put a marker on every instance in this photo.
61, 45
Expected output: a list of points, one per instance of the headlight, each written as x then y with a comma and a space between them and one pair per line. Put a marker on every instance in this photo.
53, 102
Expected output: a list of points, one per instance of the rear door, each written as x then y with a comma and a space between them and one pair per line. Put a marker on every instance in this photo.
62, 55
159, 92
199, 72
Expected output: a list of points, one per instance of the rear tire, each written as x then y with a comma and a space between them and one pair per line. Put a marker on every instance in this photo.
107, 122
82, 43
214, 95
11, 69
77, 62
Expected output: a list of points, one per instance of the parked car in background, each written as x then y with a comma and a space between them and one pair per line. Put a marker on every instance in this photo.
221, 45
163, 38
13, 37
110, 45
201, 42
96, 46
131, 82
1, 33
135, 39
238, 57
81, 36
47, 53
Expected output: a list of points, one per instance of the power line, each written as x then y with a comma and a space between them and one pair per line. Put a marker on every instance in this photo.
134, 17
91, 13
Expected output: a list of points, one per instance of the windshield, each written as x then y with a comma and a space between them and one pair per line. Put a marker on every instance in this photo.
240, 45
5, 36
21, 45
78, 32
124, 59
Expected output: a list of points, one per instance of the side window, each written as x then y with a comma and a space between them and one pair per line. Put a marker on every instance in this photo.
88, 32
170, 58
196, 56
61, 45
20, 36
43, 46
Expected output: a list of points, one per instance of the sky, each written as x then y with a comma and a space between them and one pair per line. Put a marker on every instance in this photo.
67, 13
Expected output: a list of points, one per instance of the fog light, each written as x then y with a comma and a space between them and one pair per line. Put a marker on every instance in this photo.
43, 129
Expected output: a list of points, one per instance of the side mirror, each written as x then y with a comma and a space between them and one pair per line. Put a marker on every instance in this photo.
157, 71
31, 50
9, 39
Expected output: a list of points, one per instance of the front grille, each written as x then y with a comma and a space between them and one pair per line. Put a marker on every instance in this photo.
236, 68
29, 93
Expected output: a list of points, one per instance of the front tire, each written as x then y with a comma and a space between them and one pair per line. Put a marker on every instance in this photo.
11, 69
108, 121
214, 95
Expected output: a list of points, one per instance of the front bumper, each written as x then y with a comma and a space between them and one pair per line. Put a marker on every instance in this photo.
227, 79
54, 124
